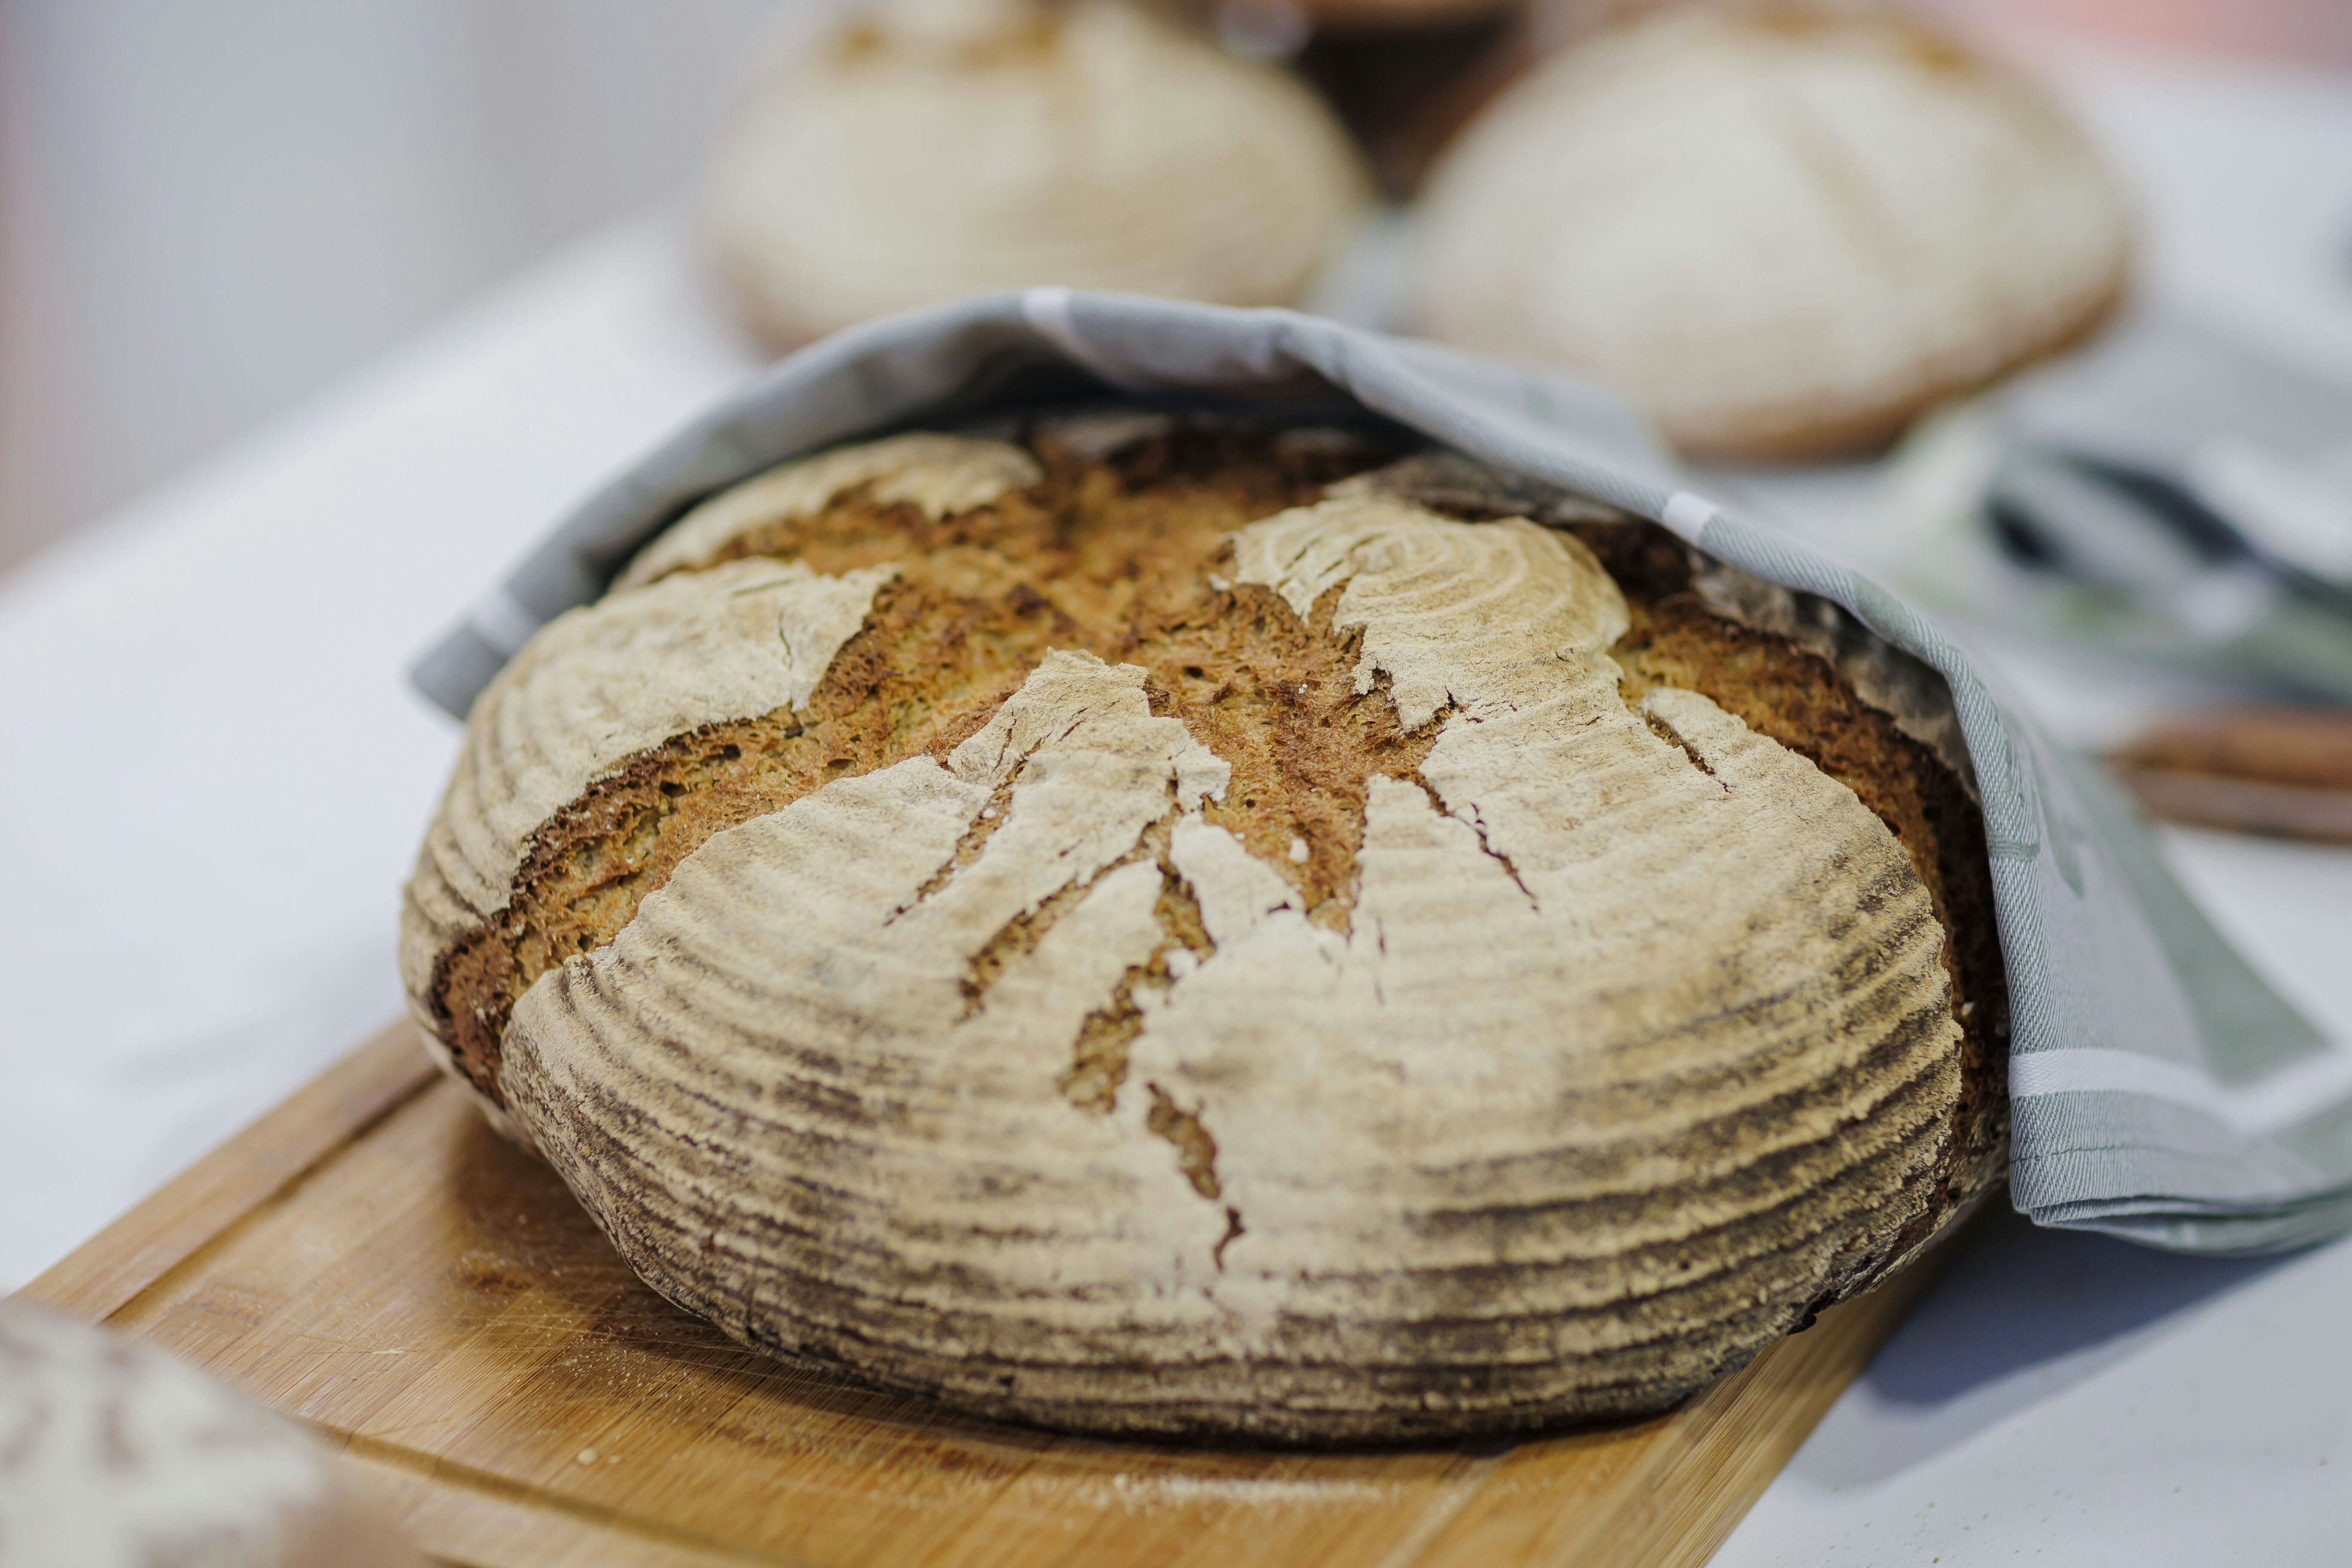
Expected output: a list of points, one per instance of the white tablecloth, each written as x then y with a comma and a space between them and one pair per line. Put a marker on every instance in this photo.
213, 778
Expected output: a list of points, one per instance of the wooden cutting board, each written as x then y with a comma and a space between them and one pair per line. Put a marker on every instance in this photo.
371, 1258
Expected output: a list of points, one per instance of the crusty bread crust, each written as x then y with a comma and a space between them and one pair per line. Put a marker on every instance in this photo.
1230, 666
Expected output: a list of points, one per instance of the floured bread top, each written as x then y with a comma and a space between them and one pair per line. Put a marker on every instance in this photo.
112, 1455
928, 150
1174, 927
1781, 238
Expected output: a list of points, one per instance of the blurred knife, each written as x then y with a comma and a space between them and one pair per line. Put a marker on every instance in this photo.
2278, 771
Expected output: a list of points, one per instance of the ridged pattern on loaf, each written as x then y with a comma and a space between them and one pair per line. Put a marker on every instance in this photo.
937, 475
1636, 1047
596, 686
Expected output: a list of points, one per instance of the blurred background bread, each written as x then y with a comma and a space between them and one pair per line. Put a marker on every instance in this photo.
1782, 230
113, 1455
926, 150
1783, 235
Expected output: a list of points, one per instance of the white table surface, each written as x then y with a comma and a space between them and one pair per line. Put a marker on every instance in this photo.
213, 780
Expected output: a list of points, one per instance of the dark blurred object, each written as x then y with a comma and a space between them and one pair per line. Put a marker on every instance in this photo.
1406, 76
2281, 770
1406, 79
1278, 26
1404, 92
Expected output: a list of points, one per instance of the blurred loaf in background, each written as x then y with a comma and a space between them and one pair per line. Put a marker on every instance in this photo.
1783, 233
1784, 230
113, 1455
921, 151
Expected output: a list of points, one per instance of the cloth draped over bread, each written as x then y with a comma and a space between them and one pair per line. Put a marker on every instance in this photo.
2162, 1091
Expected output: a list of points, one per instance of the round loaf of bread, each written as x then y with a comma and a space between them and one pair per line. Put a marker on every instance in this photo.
112, 1455
933, 149
1783, 236
1156, 925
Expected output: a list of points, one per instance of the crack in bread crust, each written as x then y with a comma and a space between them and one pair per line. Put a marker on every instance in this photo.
1114, 555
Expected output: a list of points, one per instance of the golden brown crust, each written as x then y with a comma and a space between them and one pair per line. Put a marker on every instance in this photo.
1302, 706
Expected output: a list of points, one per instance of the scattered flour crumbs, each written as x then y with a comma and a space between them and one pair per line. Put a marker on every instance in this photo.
1135, 1492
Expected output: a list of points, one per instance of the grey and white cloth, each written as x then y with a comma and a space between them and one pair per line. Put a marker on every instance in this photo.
2174, 492
2161, 1091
